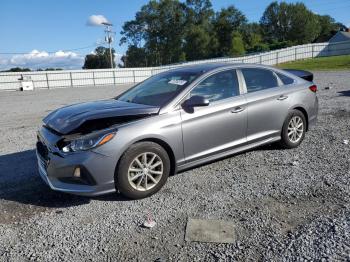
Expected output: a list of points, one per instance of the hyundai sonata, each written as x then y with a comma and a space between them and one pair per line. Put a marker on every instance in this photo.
173, 121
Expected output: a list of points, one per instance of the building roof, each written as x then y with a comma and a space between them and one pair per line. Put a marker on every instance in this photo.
340, 36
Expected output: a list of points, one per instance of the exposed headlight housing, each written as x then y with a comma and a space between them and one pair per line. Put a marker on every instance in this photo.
87, 142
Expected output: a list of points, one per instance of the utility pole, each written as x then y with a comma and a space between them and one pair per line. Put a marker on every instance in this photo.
109, 40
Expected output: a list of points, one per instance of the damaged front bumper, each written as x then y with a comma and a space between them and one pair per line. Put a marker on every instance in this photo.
95, 174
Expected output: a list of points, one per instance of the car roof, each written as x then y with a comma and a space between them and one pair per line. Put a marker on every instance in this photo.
207, 67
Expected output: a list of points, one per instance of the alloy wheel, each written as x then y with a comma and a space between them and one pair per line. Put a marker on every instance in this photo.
295, 129
145, 171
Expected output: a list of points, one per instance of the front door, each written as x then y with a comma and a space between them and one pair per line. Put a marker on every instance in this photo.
219, 126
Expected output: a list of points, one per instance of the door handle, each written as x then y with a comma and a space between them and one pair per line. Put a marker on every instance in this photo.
237, 109
282, 97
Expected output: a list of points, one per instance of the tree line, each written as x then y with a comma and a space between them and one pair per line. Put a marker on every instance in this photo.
170, 31
25, 69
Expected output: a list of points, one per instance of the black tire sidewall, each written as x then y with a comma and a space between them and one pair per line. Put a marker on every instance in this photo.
121, 176
285, 141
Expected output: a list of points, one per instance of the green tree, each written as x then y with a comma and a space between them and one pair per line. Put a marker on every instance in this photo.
328, 27
100, 59
135, 57
199, 12
133, 32
290, 22
160, 24
237, 45
50, 69
197, 43
17, 69
198, 30
171, 31
253, 38
226, 22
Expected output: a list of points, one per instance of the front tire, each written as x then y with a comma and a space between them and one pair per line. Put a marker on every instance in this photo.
143, 170
293, 130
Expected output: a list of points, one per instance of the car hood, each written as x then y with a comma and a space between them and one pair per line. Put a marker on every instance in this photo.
69, 118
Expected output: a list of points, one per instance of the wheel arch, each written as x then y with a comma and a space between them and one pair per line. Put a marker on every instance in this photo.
164, 145
303, 110
167, 148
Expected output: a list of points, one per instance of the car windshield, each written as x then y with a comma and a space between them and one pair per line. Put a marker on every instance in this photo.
159, 89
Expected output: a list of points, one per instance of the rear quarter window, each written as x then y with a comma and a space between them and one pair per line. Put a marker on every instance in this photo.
286, 80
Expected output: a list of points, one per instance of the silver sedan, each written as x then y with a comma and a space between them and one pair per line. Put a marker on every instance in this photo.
173, 121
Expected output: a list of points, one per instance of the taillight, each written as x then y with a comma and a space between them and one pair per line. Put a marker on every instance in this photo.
313, 88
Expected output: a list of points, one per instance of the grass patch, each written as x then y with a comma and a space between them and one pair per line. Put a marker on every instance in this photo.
319, 63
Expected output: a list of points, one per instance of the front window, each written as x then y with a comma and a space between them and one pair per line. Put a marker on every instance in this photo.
219, 86
159, 89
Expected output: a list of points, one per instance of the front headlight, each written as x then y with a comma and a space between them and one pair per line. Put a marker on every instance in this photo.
87, 142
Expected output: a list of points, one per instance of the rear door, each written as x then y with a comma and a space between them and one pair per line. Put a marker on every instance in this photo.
221, 125
268, 102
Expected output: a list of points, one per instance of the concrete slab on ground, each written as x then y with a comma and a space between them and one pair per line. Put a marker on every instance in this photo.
216, 231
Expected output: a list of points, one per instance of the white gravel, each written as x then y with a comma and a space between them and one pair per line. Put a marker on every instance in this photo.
286, 204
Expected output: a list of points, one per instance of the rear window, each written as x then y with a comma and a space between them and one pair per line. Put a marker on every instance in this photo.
286, 80
257, 79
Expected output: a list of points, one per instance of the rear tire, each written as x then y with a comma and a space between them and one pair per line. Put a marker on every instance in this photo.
293, 130
142, 170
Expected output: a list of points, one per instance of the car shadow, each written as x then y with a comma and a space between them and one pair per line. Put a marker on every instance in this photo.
20, 182
268, 147
344, 93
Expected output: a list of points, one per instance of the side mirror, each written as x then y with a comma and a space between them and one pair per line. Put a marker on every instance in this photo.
196, 101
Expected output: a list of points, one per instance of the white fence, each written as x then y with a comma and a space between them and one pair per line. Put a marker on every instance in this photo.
98, 77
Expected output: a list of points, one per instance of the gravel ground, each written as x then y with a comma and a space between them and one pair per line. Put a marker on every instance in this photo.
287, 204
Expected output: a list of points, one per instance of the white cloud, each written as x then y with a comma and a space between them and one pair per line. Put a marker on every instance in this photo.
96, 20
42, 59
3, 61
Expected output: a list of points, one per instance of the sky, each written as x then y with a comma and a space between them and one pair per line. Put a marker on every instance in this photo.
41, 34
